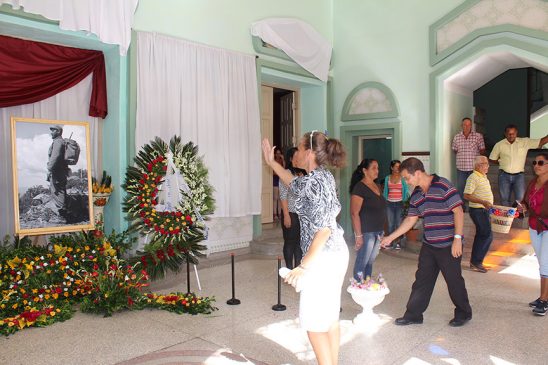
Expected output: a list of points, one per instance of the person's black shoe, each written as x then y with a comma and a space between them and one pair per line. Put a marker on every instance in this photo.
541, 308
402, 321
534, 303
458, 322
478, 268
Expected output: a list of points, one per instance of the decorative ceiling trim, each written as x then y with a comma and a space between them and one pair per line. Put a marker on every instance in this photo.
369, 100
476, 18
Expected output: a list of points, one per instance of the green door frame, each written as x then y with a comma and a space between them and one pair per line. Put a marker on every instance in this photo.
350, 137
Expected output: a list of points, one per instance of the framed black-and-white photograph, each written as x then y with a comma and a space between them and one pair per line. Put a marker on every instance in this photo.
51, 176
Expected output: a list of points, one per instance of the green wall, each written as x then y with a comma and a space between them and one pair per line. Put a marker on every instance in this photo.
539, 127
387, 41
313, 116
459, 104
226, 24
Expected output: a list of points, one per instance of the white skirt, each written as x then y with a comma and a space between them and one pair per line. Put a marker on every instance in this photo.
320, 300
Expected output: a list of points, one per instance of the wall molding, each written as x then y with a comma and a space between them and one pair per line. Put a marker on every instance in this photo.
463, 17
374, 95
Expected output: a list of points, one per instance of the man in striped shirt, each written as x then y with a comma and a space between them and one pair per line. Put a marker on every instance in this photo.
478, 193
437, 201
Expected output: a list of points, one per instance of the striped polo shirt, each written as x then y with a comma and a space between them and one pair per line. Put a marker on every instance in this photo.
435, 207
478, 185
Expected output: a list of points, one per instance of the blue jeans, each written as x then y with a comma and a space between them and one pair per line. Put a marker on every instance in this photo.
509, 183
462, 176
393, 212
484, 235
366, 254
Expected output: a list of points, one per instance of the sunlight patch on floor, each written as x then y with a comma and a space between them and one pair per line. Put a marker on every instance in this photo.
451, 361
224, 357
289, 334
415, 361
499, 361
526, 267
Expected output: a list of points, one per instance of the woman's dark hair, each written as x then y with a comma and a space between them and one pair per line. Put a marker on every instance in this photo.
289, 159
357, 175
393, 163
329, 151
543, 154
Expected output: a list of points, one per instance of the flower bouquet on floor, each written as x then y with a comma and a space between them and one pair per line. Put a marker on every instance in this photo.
367, 293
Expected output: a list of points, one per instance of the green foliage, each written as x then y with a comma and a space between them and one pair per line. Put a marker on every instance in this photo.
173, 236
39, 285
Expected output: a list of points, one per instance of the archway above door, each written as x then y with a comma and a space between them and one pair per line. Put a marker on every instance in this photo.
475, 18
369, 100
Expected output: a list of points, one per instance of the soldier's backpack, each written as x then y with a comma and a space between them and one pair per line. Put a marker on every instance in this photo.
72, 151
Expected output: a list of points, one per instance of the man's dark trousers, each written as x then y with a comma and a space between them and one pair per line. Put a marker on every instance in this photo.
431, 261
484, 235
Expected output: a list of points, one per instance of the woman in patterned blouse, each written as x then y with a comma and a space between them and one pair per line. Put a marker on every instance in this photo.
325, 254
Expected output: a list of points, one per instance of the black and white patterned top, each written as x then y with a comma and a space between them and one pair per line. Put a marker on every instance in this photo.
286, 194
317, 205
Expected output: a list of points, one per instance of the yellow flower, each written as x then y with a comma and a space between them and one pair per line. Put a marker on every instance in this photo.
14, 306
52, 313
66, 294
11, 324
46, 296
59, 250
13, 263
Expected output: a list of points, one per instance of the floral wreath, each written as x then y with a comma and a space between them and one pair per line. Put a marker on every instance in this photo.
172, 235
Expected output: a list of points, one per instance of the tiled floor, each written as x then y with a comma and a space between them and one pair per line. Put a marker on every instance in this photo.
503, 330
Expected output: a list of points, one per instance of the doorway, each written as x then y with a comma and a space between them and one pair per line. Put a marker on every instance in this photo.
379, 148
279, 123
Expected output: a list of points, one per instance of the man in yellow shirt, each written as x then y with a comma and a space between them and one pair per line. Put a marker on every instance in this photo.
478, 192
510, 154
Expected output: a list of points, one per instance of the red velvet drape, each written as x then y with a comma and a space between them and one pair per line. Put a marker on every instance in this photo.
33, 71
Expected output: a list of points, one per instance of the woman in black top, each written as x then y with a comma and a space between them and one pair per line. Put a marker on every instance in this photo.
368, 213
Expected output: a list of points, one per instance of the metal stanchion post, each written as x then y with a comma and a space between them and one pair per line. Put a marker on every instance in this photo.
233, 300
279, 306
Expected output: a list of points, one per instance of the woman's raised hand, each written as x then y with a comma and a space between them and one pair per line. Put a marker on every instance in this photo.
268, 152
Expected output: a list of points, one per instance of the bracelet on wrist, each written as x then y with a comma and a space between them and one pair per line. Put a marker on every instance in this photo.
358, 235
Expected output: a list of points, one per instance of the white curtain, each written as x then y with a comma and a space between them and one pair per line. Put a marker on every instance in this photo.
69, 105
299, 41
110, 20
208, 96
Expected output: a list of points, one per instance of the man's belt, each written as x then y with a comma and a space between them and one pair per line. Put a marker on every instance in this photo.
507, 173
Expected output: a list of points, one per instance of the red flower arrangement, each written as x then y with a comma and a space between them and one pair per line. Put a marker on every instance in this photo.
173, 236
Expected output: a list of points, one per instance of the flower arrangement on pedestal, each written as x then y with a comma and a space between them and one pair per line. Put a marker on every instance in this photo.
101, 195
40, 285
367, 293
168, 194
